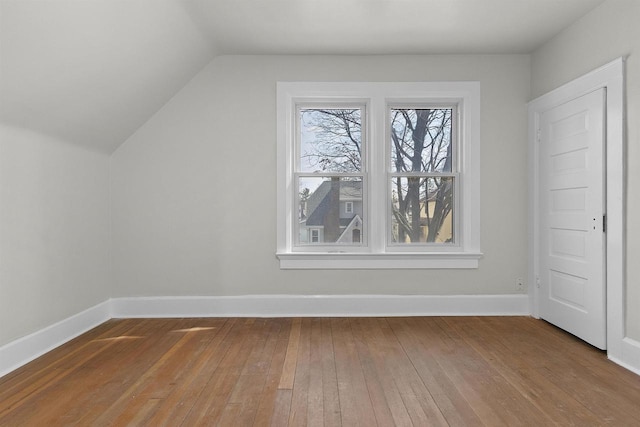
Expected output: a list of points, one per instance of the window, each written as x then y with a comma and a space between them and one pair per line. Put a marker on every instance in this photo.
328, 171
348, 207
422, 151
378, 175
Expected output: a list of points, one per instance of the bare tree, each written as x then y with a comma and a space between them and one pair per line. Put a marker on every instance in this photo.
338, 140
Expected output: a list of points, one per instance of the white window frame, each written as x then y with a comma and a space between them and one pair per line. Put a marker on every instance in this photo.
312, 103
439, 247
376, 252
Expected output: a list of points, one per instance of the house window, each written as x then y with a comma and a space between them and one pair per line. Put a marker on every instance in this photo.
388, 171
348, 207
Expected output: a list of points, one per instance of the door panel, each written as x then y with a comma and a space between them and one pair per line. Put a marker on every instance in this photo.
572, 201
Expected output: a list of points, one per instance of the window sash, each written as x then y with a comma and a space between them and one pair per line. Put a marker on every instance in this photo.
331, 105
454, 143
455, 131
298, 174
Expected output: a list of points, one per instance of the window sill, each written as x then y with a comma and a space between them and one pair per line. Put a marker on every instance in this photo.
404, 260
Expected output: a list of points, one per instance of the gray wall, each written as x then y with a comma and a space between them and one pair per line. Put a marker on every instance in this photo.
194, 189
54, 231
610, 31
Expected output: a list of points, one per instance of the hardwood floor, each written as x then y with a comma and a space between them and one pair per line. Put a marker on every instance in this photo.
421, 371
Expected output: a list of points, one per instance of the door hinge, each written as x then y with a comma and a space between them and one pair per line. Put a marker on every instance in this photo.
538, 135
537, 281
604, 223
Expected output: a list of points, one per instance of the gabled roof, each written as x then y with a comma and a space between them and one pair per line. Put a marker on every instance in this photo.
92, 72
355, 223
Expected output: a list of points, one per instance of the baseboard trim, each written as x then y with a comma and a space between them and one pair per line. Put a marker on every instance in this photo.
321, 306
23, 350
630, 355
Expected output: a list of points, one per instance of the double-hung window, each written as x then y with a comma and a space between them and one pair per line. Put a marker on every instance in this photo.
378, 175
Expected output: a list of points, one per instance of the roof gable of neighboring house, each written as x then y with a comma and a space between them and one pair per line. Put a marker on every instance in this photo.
354, 224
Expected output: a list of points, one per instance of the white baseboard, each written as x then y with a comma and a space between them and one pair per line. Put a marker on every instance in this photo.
321, 306
630, 355
23, 350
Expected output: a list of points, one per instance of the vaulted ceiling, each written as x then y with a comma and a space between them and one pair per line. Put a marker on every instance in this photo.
91, 72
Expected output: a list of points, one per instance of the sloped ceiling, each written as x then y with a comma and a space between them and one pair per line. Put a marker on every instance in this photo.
93, 71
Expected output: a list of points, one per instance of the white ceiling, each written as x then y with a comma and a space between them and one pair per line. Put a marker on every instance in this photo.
383, 26
93, 71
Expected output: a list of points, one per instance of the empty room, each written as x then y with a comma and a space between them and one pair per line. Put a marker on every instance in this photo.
319, 212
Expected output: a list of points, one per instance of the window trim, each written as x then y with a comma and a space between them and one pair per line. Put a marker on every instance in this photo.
377, 97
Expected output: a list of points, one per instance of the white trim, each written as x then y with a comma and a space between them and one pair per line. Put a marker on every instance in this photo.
630, 355
389, 260
23, 350
322, 306
611, 77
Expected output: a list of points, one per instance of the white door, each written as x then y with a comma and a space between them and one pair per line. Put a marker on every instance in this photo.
571, 217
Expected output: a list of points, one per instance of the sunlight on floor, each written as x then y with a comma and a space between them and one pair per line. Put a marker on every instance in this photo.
196, 329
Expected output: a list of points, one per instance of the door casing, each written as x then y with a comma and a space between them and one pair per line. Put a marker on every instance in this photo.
610, 77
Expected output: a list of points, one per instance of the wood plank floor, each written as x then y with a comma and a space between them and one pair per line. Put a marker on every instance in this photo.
421, 371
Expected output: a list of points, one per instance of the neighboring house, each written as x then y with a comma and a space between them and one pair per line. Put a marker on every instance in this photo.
332, 213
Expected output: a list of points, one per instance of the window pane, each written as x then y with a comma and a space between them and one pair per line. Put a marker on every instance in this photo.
421, 140
323, 216
330, 140
422, 209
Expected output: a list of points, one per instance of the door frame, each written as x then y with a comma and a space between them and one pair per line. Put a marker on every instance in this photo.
610, 77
